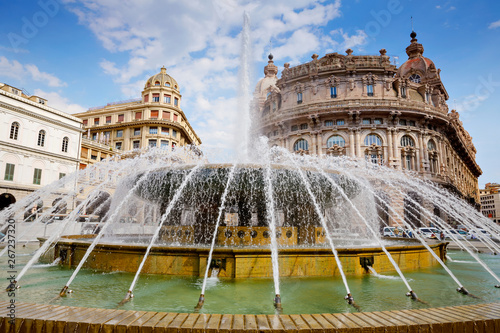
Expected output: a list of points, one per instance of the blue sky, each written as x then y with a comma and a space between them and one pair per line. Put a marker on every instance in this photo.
84, 53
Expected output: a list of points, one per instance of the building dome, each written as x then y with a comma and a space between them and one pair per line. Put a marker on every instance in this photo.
162, 79
416, 62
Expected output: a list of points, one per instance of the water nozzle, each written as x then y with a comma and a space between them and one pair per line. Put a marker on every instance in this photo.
277, 303
412, 294
497, 286
349, 298
127, 298
12, 286
62, 293
462, 290
201, 301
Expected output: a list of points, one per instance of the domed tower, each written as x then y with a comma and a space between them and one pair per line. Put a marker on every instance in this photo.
161, 88
267, 85
154, 120
418, 78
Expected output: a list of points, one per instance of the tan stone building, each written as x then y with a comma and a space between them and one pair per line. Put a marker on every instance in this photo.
154, 120
490, 201
365, 107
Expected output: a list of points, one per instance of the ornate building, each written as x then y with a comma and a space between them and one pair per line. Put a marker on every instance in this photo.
38, 145
155, 120
366, 107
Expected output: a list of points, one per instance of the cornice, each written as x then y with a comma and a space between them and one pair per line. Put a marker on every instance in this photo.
38, 116
23, 150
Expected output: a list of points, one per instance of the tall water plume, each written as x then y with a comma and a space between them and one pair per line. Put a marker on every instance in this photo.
241, 135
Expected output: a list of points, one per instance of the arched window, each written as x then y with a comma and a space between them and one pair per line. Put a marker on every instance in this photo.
300, 144
41, 138
167, 84
335, 140
433, 156
14, 130
408, 153
65, 142
157, 83
406, 141
373, 139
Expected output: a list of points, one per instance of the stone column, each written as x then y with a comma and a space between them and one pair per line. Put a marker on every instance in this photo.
358, 143
313, 143
389, 146
351, 142
421, 155
395, 147
319, 140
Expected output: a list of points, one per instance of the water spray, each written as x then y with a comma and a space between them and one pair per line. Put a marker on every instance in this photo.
127, 298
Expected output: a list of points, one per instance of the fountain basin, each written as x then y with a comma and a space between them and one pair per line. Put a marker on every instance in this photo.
242, 262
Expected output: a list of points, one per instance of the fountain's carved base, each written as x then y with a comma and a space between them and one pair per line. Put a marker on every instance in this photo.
242, 262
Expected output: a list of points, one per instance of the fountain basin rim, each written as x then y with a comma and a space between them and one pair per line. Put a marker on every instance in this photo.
66, 317
73, 239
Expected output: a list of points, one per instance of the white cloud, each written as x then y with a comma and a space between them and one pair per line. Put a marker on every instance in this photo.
60, 103
494, 25
198, 42
24, 73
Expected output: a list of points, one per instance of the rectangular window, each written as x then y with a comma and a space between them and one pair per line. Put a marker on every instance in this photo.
164, 144
174, 133
96, 121
176, 101
152, 143
275, 132
295, 128
156, 97
121, 117
153, 130
333, 92
118, 145
108, 119
412, 122
166, 115
403, 92
329, 123
378, 121
94, 157
137, 131
146, 98
402, 122
154, 114
303, 126
175, 117
369, 89
9, 171
138, 115
136, 144
167, 99
367, 121
165, 131
340, 122
94, 136
85, 122
61, 175
299, 98
37, 176
119, 133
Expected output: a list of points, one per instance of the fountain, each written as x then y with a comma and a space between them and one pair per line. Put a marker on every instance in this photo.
270, 233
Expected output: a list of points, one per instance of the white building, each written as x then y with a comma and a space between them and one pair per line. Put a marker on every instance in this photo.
38, 144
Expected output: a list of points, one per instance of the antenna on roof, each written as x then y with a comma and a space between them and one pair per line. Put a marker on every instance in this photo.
411, 19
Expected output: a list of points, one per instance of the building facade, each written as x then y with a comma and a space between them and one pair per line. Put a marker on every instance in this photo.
490, 201
154, 120
366, 107
38, 145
